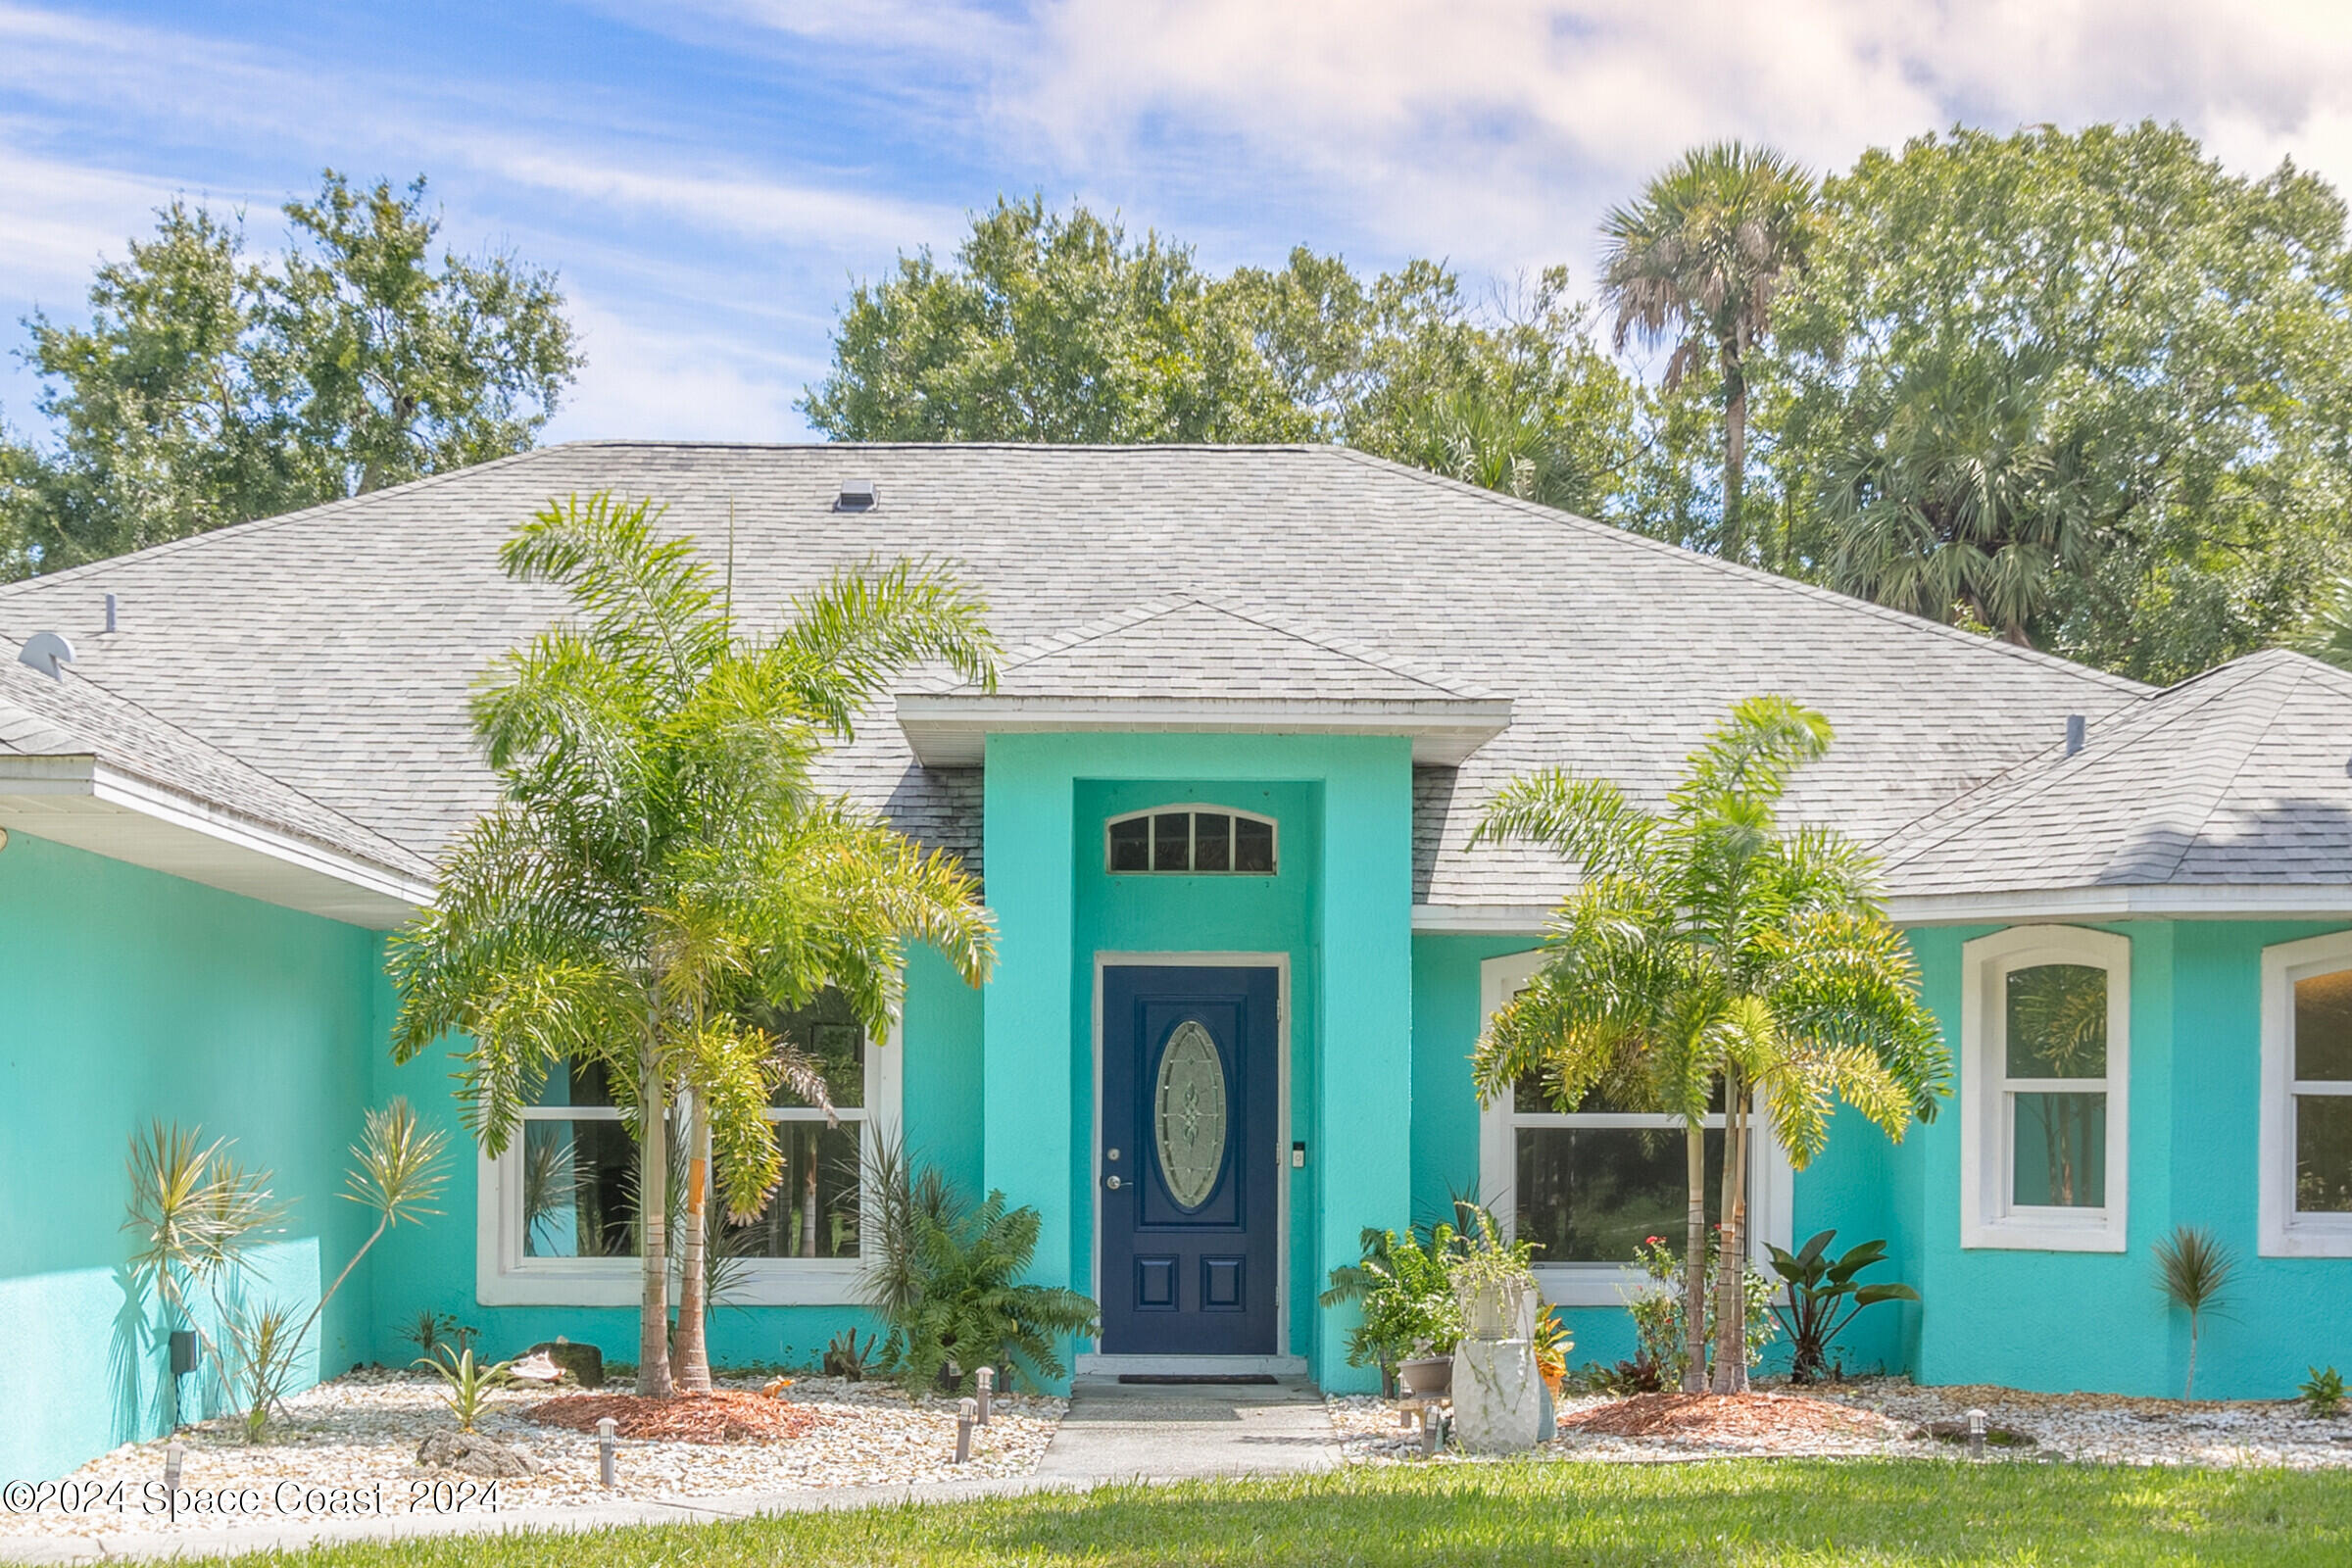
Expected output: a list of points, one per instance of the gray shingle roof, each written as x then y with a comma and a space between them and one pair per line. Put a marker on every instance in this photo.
333, 649
41, 717
1194, 646
2236, 777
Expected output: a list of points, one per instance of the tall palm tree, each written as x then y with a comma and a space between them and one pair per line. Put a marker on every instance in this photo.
660, 861
1699, 260
1703, 951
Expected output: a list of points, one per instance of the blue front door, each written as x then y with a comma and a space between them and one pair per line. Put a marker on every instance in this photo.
1188, 1157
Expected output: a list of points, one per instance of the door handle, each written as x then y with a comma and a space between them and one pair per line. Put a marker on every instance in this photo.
1111, 1181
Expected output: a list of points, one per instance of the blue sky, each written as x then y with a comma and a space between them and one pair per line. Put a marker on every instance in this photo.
709, 178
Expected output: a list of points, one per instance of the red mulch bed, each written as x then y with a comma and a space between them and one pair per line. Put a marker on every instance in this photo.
725, 1416
1737, 1419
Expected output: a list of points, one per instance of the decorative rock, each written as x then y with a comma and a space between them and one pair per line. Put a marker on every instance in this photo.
583, 1361
473, 1454
1497, 1397
537, 1367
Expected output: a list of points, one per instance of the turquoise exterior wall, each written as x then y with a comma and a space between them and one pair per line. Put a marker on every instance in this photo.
2078, 1320
432, 1268
1341, 909
129, 997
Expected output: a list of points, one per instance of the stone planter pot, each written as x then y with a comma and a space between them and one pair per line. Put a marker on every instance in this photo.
1500, 1309
1427, 1377
1497, 1398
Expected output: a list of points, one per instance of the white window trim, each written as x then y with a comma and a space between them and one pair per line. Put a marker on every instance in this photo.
504, 1277
1191, 809
2283, 1232
1988, 1218
1771, 1194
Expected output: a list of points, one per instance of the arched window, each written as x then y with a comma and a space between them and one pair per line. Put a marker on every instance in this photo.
1191, 841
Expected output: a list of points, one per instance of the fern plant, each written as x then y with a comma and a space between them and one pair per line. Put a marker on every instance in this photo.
947, 1278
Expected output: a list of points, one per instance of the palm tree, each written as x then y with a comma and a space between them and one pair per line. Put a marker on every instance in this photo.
1955, 498
1699, 260
660, 862
1703, 951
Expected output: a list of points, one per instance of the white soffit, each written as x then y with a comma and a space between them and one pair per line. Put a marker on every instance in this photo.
951, 731
82, 803
2184, 901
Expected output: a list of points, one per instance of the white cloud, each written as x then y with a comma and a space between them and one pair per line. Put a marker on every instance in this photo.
674, 380
1499, 130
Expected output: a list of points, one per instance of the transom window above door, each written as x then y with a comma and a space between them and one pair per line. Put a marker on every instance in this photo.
1190, 841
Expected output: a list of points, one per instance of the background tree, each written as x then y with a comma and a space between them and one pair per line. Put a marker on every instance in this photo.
2140, 357
1052, 326
206, 390
1699, 260
1708, 952
659, 862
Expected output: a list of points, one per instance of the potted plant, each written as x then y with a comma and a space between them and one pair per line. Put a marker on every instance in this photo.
1411, 1318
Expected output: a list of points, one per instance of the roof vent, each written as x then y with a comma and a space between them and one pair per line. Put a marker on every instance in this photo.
856, 495
2077, 730
48, 652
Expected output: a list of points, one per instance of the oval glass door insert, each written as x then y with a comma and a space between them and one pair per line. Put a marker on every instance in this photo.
1190, 1114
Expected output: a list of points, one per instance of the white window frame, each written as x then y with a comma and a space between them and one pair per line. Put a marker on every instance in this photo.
1191, 829
1988, 1217
2283, 1232
504, 1277
1771, 1207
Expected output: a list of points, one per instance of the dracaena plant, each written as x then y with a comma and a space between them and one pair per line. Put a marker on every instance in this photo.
1824, 1294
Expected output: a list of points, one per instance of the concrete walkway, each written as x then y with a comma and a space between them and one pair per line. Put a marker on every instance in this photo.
1128, 1432
1113, 1432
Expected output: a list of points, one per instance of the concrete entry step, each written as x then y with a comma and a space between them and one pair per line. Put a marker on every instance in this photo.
1125, 1431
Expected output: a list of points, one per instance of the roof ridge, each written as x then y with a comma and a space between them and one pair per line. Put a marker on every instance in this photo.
1349, 647
212, 749
1759, 574
254, 525
2245, 755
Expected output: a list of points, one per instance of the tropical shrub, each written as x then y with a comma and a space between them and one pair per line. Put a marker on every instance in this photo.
2324, 1393
1405, 1288
1660, 1337
1820, 1287
946, 1277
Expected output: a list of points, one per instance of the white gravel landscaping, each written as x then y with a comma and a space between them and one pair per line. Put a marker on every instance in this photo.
358, 1435
2085, 1427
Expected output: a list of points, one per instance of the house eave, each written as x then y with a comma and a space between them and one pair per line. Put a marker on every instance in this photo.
951, 731
85, 804
2156, 901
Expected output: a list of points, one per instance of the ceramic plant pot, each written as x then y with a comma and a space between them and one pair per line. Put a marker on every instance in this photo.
1427, 1377
1499, 1401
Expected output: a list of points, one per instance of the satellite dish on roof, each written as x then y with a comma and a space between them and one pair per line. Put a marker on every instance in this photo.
48, 652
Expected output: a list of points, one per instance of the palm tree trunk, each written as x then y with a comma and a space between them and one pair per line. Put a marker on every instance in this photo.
1695, 1264
693, 1351
1735, 455
1730, 1264
652, 1199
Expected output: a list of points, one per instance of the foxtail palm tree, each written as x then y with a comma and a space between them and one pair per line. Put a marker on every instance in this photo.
1703, 951
660, 861
1699, 261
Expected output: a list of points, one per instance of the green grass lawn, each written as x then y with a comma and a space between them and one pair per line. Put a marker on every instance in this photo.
1732, 1512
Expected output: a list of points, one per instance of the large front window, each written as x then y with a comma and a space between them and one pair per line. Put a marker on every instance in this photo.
1590, 1186
2045, 1045
2306, 1187
559, 1218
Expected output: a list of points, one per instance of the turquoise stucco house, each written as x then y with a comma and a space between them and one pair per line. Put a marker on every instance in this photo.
1221, 800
